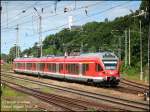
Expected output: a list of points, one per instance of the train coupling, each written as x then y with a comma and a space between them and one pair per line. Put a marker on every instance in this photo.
112, 79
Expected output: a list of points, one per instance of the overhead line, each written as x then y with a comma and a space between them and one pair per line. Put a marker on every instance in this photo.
83, 18
22, 10
55, 14
27, 16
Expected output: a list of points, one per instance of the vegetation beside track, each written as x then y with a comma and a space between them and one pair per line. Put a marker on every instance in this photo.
131, 73
12, 100
6, 67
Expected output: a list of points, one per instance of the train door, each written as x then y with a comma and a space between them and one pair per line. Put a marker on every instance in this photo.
88, 69
98, 69
91, 71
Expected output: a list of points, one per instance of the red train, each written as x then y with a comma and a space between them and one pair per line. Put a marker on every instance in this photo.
100, 68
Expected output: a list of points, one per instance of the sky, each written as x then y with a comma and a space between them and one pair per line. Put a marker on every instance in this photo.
24, 14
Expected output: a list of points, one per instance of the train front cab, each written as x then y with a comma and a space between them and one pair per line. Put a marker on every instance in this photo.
111, 74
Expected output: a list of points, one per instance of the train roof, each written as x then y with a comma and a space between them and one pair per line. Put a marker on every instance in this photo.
83, 57
100, 54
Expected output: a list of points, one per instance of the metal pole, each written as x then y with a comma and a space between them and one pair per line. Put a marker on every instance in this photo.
120, 47
17, 40
126, 48
141, 74
146, 77
129, 49
40, 35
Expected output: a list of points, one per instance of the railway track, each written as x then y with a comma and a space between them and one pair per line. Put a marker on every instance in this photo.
134, 84
126, 86
141, 88
67, 104
121, 103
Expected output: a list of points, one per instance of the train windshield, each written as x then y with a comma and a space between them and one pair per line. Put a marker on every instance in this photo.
110, 65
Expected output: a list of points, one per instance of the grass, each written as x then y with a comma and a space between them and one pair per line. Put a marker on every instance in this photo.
8, 92
6, 66
31, 85
132, 73
47, 90
10, 99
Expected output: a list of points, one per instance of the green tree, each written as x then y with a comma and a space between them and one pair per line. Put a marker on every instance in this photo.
4, 57
12, 53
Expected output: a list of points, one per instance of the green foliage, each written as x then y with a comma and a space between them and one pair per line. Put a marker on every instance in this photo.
4, 57
10, 92
12, 53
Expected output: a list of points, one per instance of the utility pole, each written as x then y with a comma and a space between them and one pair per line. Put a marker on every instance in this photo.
148, 49
120, 47
17, 41
148, 53
129, 49
141, 74
141, 66
40, 30
40, 34
126, 48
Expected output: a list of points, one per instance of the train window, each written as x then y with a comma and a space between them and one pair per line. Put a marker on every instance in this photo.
20, 65
51, 67
68, 67
54, 67
85, 67
42, 66
110, 66
23, 65
60, 67
29, 66
34, 66
72, 68
98, 67
76, 68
